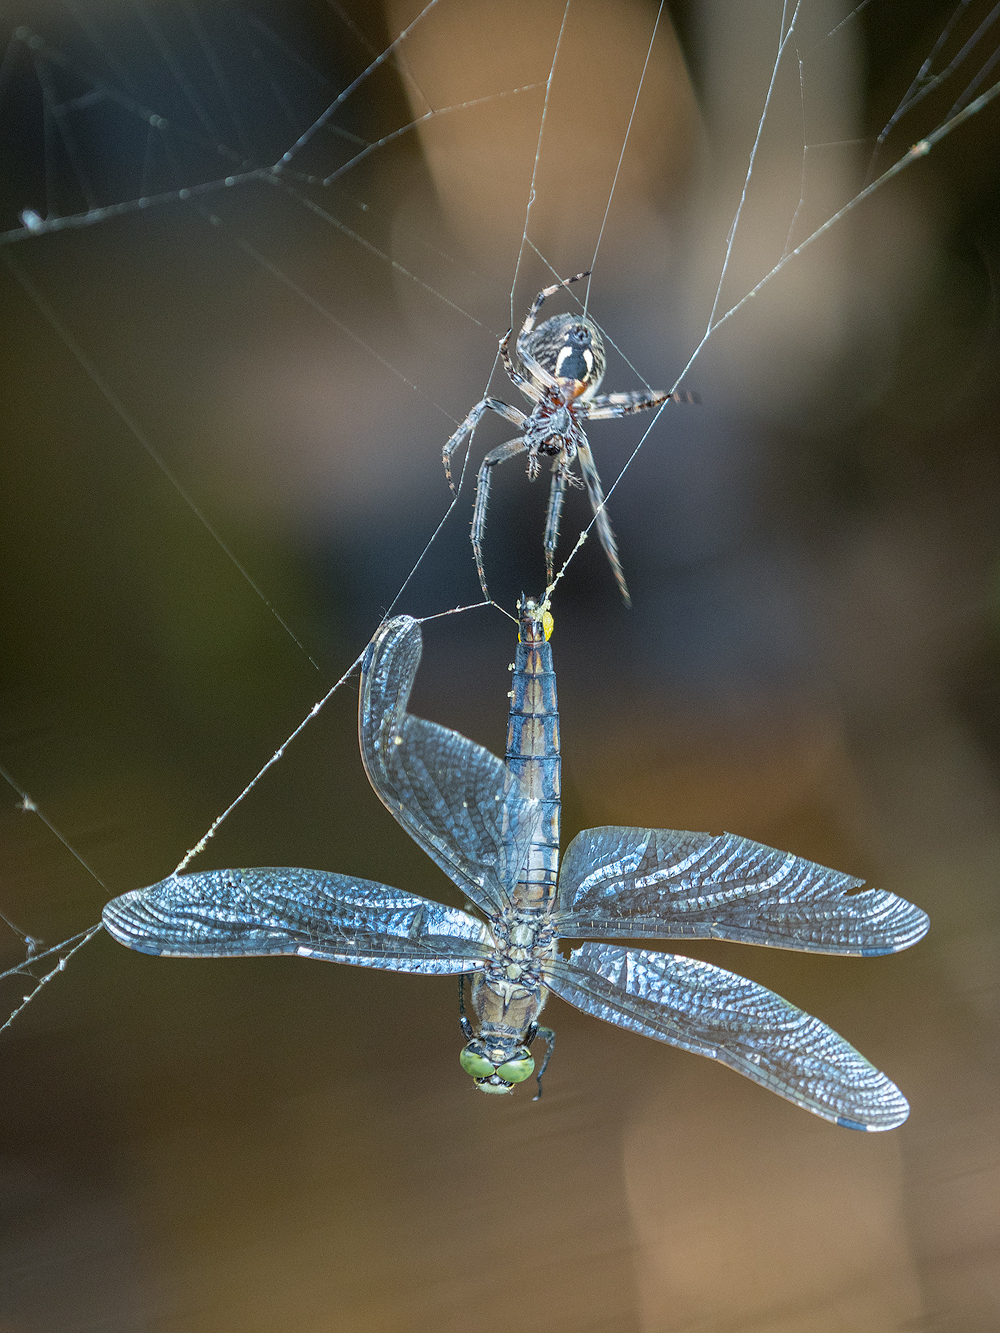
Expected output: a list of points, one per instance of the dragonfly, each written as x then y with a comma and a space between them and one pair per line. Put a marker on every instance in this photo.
493, 827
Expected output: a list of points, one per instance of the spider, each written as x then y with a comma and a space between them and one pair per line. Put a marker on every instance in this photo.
563, 363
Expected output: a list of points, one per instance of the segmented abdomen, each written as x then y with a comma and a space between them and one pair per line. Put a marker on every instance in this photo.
533, 755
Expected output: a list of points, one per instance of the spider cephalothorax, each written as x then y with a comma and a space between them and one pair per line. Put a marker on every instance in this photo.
558, 366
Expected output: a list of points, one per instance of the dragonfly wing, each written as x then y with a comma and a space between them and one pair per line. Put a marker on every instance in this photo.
253, 913
712, 1012
453, 797
636, 883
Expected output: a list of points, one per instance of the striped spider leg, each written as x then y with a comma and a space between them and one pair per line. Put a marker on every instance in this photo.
558, 367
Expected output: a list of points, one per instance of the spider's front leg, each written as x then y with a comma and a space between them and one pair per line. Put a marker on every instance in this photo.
470, 423
498, 455
536, 305
540, 377
514, 375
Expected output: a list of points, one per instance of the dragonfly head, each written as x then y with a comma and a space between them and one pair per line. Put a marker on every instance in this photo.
497, 1068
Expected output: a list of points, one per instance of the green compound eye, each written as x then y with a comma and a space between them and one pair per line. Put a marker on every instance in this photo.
475, 1064
518, 1069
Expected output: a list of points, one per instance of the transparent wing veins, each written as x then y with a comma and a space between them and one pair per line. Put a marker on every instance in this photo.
634, 883
452, 796
312, 913
725, 1017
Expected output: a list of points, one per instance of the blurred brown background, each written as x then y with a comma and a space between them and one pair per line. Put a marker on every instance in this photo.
812, 659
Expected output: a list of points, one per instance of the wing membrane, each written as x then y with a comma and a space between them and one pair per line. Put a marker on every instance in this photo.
453, 797
252, 913
715, 1013
634, 883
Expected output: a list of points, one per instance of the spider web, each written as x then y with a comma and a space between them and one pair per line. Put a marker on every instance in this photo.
191, 177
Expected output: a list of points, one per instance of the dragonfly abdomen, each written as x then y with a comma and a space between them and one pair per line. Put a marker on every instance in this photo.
533, 753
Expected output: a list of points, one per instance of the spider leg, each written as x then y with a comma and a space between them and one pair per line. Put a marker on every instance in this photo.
498, 455
557, 493
537, 372
607, 536
539, 375
470, 423
515, 376
608, 405
536, 305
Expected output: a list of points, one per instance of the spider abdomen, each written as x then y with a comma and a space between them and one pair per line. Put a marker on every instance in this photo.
570, 348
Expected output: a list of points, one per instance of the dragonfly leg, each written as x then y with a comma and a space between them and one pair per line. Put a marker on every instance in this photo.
463, 1022
549, 1037
498, 455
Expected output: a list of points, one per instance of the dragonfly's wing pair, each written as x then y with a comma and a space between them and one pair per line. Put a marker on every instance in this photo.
619, 883
253, 913
638, 883
713, 1012
452, 796
457, 801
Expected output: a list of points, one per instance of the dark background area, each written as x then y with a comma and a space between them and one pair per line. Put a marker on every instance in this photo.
812, 657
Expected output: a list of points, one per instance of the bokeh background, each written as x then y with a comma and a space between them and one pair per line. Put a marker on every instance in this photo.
812, 658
